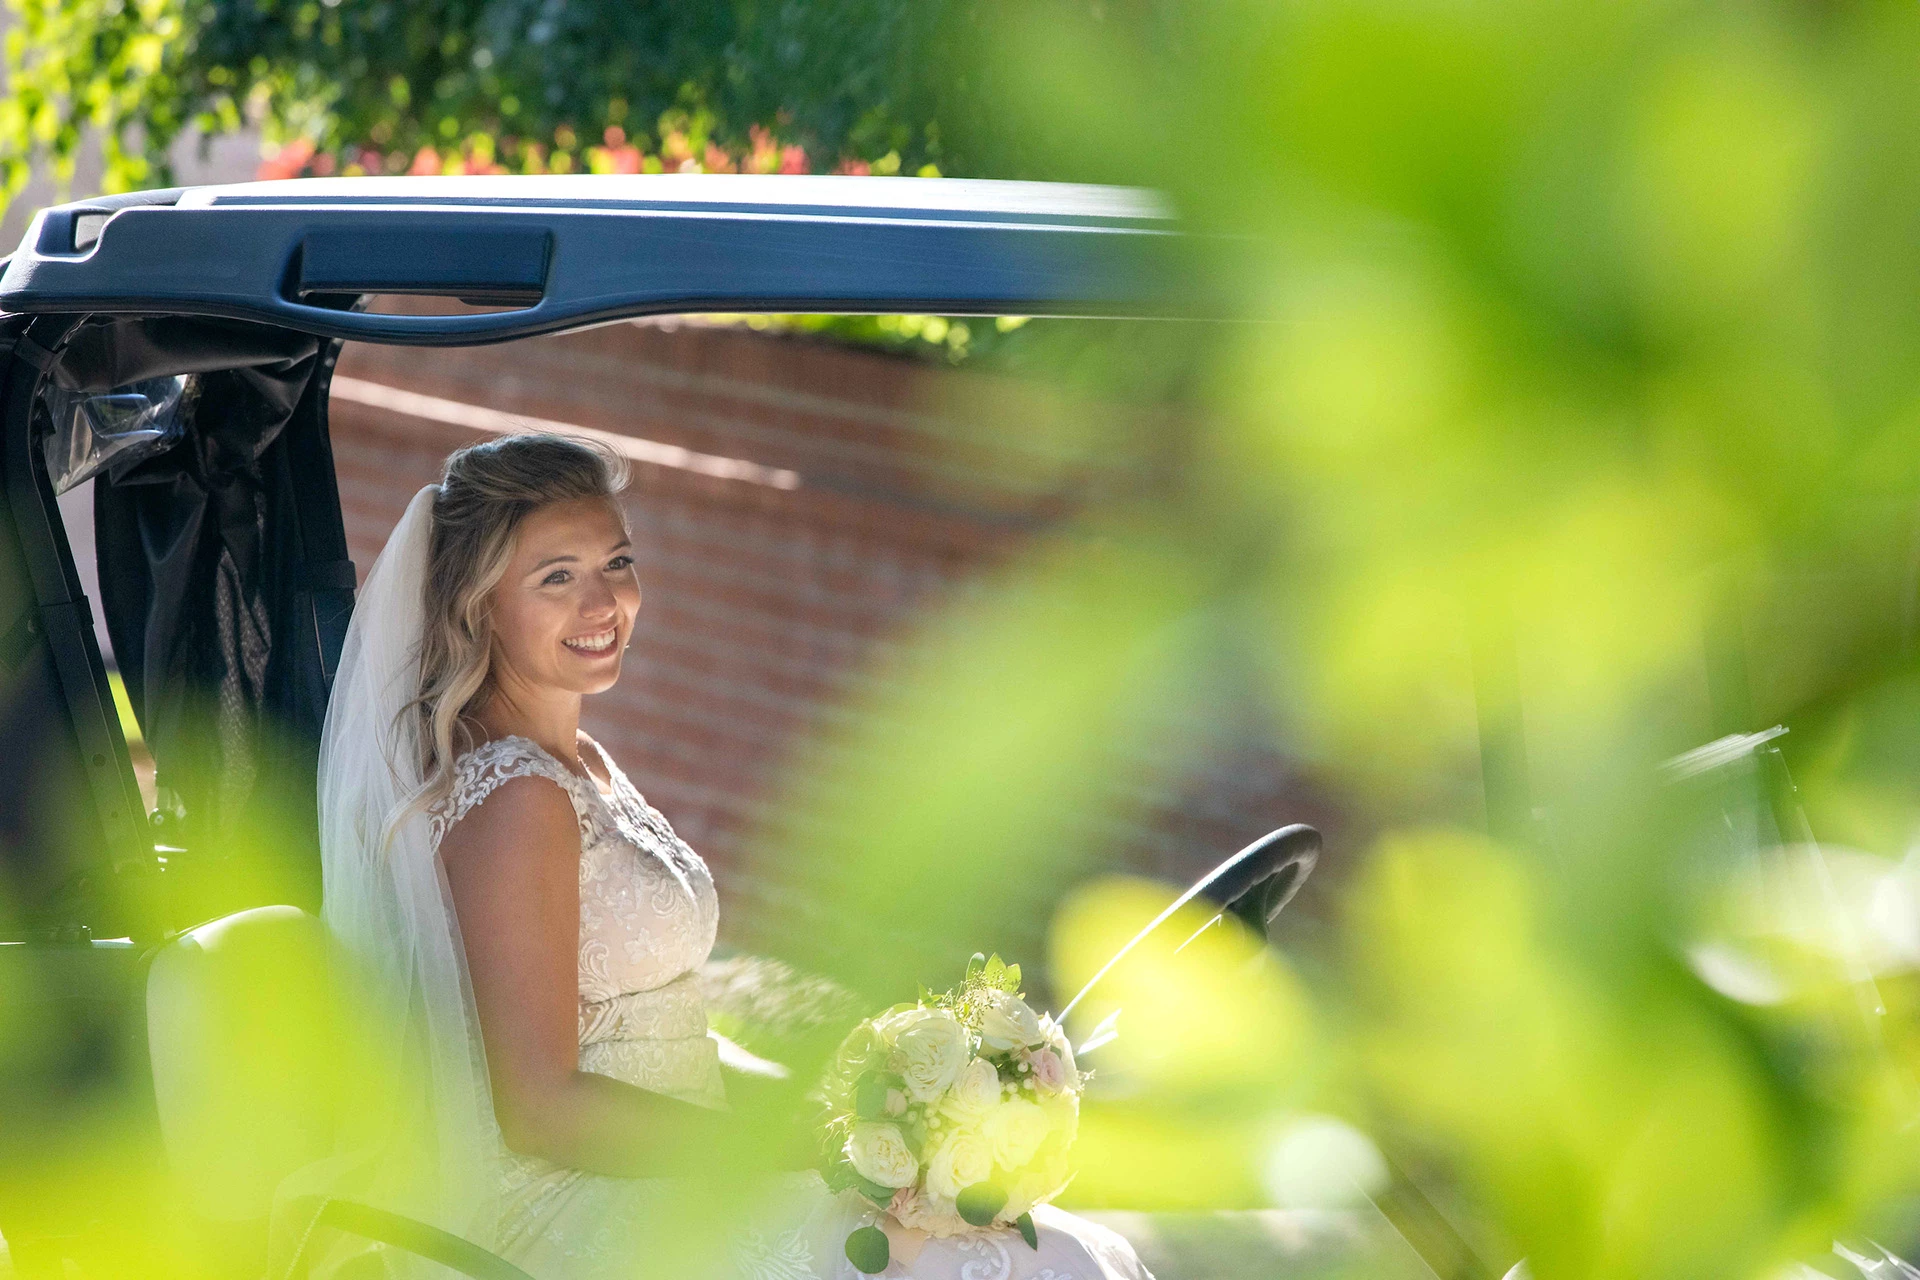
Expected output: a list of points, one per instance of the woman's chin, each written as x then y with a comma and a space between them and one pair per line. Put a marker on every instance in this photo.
600, 678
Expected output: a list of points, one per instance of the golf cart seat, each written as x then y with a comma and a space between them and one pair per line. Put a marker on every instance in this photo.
252, 1064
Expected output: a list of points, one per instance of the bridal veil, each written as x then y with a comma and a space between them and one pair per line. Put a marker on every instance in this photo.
424, 1140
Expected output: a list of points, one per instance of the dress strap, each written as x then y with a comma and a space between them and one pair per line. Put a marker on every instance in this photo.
633, 806
614, 775
480, 772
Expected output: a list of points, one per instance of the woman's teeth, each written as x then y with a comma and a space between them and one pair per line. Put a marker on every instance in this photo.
594, 644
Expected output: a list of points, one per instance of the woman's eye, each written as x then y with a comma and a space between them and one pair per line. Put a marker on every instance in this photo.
555, 578
620, 562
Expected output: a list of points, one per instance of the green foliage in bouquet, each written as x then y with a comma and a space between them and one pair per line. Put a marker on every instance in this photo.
984, 974
869, 1250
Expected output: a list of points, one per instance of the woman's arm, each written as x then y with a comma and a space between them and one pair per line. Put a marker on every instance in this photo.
515, 881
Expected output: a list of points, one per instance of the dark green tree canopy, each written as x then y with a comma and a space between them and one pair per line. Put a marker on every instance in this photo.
382, 85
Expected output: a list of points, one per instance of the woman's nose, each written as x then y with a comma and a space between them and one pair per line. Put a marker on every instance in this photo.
599, 603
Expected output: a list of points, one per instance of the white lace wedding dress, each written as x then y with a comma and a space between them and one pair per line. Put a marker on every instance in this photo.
648, 915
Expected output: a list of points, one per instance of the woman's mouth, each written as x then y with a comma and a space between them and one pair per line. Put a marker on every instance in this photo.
597, 645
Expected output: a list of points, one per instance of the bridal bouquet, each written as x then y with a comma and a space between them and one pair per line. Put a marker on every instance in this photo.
954, 1113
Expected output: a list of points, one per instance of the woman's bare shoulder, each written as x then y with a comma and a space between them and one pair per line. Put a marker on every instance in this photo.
483, 768
527, 814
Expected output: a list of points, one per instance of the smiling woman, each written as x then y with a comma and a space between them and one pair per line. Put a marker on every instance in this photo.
530, 595
544, 926
562, 611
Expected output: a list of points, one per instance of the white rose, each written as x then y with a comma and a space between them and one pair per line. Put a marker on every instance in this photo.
1063, 1114
962, 1160
890, 1025
929, 1051
976, 1092
1008, 1023
1015, 1129
879, 1154
1039, 1184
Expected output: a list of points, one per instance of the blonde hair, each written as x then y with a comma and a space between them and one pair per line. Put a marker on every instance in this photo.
486, 491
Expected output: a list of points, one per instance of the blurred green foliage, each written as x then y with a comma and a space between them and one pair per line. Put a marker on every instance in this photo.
1579, 411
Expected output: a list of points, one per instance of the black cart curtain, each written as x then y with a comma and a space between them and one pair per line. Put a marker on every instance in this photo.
223, 574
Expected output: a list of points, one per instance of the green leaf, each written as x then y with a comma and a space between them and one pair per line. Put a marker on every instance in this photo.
976, 965
882, 1196
1011, 982
870, 1095
1027, 1231
979, 1203
868, 1250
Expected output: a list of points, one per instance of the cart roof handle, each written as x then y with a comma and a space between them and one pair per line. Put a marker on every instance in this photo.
554, 252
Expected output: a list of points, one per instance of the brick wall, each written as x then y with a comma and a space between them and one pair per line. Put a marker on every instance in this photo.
764, 605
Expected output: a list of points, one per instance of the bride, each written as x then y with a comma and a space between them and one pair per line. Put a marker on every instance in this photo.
531, 928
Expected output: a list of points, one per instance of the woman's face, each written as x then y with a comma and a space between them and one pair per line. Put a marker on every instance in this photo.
564, 610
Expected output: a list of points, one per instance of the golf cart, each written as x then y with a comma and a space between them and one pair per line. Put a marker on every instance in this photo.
177, 346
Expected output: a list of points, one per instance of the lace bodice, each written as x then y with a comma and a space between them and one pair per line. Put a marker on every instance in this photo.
648, 916
648, 913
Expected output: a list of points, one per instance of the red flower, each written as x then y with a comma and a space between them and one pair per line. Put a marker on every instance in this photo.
288, 162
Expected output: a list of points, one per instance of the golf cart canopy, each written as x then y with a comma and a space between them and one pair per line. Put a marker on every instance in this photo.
562, 251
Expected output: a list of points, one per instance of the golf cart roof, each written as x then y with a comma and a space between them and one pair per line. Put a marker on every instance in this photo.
562, 251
